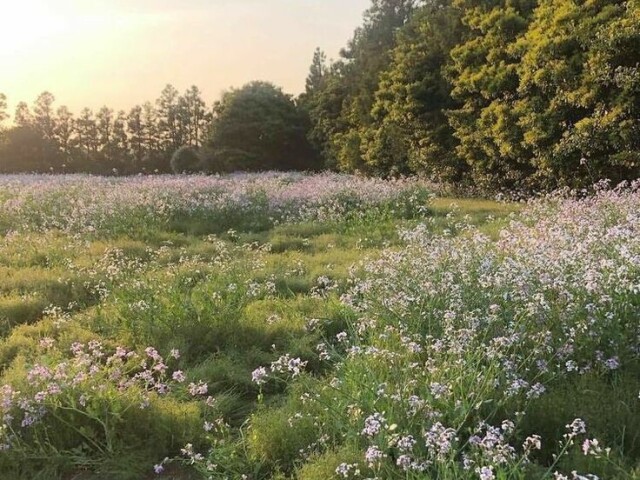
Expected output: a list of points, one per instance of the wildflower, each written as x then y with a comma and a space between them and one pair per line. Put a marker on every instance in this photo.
406, 444
295, 366
440, 439
486, 473
344, 470
158, 469
200, 388
592, 447
373, 456
46, 342
259, 375
153, 353
577, 427
536, 391
532, 443
612, 363
438, 390
179, 376
373, 424
404, 462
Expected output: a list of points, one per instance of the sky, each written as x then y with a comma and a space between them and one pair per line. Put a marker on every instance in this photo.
120, 53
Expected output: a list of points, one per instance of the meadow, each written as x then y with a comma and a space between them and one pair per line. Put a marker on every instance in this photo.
292, 326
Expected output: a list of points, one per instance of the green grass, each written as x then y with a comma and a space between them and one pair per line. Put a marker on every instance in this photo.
183, 288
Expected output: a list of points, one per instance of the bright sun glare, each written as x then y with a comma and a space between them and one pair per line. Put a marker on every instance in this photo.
29, 24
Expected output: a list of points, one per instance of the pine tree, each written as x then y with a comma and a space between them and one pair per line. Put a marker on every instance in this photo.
3, 109
43, 115
484, 74
410, 131
580, 91
64, 130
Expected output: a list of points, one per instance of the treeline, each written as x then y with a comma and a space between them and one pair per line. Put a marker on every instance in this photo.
256, 127
49, 139
497, 94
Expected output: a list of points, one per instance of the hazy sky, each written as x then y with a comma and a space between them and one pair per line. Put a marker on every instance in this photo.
123, 52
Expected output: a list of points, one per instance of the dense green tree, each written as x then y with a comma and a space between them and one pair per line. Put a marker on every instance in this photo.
324, 105
118, 147
170, 129
410, 131
43, 115
340, 110
136, 135
579, 91
104, 127
258, 127
112, 142
193, 116
157, 150
87, 142
484, 74
317, 72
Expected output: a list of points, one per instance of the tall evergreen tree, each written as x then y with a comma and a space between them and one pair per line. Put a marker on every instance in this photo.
22, 116
410, 131
119, 144
484, 74
136, 135
170, 130
156, 147
193, 117
44, 115
341, 110
104, 128
3, 109
317, 72
64, 130
87, 136
579, 92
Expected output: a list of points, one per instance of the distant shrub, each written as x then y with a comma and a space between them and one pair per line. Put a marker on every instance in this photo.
186, 160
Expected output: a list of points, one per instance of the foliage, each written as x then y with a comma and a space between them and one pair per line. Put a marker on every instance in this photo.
527, 94
410, 131
340, 104
186, 160
49, 140
295, 326
580, 91
258, 127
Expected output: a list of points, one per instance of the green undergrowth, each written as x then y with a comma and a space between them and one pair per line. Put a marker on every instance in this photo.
229, 302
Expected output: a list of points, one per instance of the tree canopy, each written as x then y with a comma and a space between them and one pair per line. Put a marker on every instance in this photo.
258, 127
500, 94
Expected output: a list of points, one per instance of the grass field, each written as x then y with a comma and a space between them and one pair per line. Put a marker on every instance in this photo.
282, 326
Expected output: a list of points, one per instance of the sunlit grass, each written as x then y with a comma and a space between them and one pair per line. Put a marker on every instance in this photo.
243, 297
